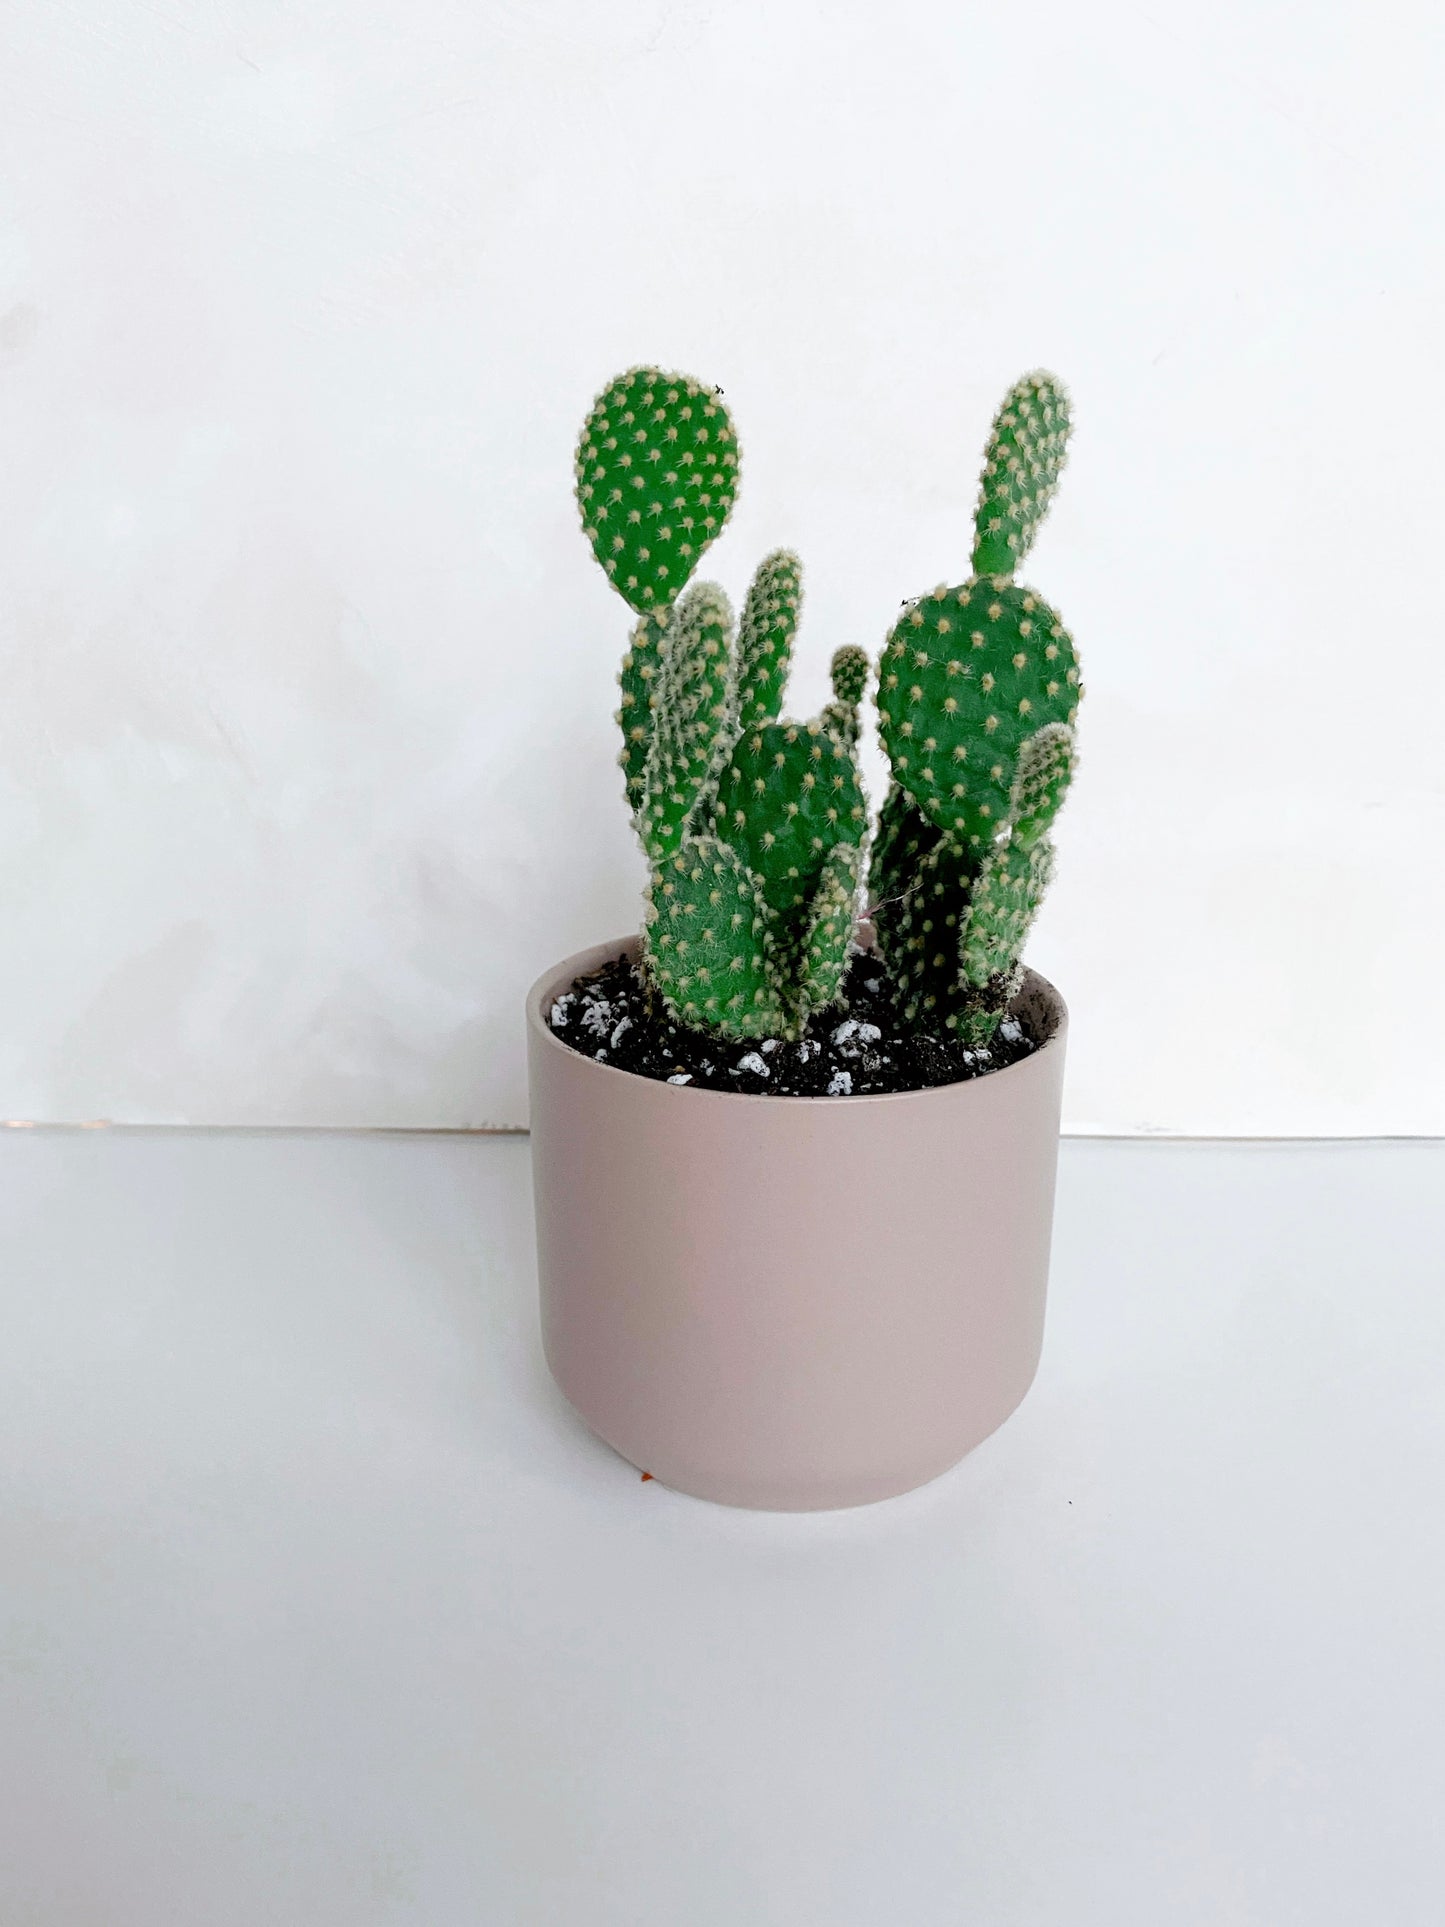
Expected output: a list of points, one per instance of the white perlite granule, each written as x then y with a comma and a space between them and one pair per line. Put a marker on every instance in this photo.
598, 1018
562, 1010
623, 1023
752, 1062
840, 1084
682, 1077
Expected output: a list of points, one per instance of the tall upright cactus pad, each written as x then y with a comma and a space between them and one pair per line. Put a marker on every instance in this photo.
791, 794
691, 722
640, 679
657, 471
823, 957
765, 637
967, 675
1025, 454
708, 945
1002, 906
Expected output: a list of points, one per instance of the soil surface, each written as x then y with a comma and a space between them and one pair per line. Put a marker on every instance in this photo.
859, 1046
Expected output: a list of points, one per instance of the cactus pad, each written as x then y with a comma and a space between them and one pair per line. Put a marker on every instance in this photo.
1044, 771
849, 672
829, 931
690, 729
657, 470
968, 673
765, 637
707, 942
789, 795
1021, 471
641, 668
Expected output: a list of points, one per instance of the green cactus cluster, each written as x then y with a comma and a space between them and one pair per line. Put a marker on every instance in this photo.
755, 826
978, 689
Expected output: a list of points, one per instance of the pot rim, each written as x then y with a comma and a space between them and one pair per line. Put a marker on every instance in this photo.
563, 974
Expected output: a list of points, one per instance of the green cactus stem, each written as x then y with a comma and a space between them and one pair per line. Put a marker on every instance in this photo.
657, 471
1025, 454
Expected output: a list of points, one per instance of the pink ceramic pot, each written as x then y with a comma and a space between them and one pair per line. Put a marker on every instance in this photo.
792, 1302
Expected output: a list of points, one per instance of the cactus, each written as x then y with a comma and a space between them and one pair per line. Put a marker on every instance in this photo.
978, 691
967, 676
691, 731
1020, 472
754, 826
849, 672
765, 637
657, 470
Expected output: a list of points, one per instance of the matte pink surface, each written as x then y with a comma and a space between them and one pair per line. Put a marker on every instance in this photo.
791, 1302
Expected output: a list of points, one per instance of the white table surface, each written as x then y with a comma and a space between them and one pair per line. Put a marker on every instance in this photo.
318, 1607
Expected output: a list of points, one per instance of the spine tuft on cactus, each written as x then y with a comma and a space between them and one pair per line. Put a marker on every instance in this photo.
978, 690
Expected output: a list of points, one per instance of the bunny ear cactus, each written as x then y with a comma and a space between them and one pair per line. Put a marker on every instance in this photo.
1021, 467
657, 472
849, 673
755, 826
977, 695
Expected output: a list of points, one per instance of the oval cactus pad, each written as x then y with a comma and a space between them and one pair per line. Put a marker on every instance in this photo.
657, 470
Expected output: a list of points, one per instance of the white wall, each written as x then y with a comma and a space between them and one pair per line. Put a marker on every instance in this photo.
306, 672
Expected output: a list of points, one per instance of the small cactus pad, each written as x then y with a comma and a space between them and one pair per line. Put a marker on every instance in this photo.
707, 942
657, 470
789, 795
1004, 903
1044, 771
829, 931
690, 734
765, 637
1022, 463
849, 671
641, 669
968, 673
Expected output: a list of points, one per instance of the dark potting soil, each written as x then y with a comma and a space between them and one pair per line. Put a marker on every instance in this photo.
860, 1045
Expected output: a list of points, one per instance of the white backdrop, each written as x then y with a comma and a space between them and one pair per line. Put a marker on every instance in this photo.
306, 674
